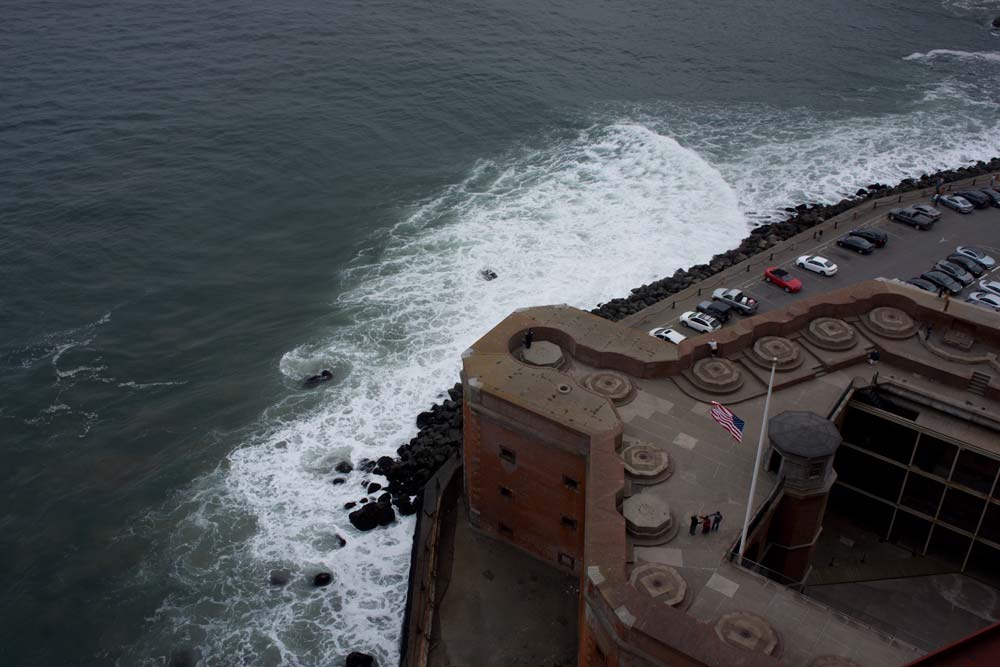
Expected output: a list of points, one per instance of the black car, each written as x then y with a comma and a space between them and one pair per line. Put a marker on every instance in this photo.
992, 195
955, 271
717, 309
970, 265
910, 217
975, 197
856, 243
925, 285
873, 236
942, 281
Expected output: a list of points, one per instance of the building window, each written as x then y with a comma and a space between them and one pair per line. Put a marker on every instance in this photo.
506, 493
569, 523
571, 483
815, 470
566, 559
508, 455
506, 530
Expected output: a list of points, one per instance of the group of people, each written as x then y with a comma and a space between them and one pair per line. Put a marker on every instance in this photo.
709, 523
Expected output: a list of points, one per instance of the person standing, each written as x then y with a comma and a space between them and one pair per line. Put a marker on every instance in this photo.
694, 524
706, 525
713, 346
716, 520
529, 336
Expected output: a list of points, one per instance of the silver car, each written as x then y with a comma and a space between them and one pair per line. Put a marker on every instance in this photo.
985, 299
976, 255
991, 286
927, 210
955, 203
669, 335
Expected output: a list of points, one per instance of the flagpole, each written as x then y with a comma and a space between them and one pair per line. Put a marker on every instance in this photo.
756, 463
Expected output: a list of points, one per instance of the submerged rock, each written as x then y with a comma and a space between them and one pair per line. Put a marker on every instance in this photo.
372, 515
279, 577
344, 467
322, 579
357, 659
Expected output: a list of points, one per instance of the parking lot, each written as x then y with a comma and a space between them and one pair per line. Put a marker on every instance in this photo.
908, 253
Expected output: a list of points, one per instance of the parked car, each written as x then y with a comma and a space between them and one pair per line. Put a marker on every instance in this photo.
667, 334
976, 255
970, 265
911, 217
928, 210
955, 271
856, 243
955, 203
782, 279
816, 264
700, 321
716, 309
991, 286
923, 284
737, 299
943, 281
992, 195
873, 236
991, 301
974, 197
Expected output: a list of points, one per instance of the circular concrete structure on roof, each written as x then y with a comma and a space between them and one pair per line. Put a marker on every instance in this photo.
833, 661
716, 375
803, 434
644, 462
830, 333
786, 351
747, 631
660, 582
891, 322
615, 386
647, 515
543, 353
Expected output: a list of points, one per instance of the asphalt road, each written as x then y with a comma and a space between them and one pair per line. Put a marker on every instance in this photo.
908, 253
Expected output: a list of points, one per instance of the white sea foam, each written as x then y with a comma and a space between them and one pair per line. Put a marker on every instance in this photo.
579, 221
988, 56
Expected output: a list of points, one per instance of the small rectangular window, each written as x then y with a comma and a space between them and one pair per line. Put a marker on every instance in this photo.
506, 493
508, 455
571, 483
569, 523
815, 470
506, 530
566, 559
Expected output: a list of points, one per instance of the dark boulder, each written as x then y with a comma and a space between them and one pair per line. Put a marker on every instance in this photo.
367, 465
343, 467
350, 505
384, 464
357, 659
316, 380
322, 579
372, 515
373, 487
279, 577
183, 657
996, 23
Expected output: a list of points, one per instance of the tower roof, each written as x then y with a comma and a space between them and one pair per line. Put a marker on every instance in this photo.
803, 433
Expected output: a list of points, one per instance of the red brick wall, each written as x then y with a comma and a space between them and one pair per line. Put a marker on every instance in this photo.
539, 497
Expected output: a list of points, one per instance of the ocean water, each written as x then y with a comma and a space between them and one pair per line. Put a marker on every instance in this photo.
200, 204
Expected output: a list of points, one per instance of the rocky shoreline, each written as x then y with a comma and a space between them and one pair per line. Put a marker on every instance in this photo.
440, 427
761, 238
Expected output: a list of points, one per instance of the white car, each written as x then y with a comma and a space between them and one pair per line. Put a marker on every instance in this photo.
927, 210
986, 299
668, 334
816, 264
700, 321
977, 256
991, 286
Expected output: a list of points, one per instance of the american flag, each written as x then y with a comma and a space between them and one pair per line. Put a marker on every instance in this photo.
728, 420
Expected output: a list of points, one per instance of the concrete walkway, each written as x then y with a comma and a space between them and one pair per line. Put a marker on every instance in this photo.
501, 607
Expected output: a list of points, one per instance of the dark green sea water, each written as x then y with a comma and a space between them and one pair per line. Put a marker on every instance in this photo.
201, 203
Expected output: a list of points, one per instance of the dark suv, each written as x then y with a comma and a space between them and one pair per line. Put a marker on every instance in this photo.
717, 309
975, 197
